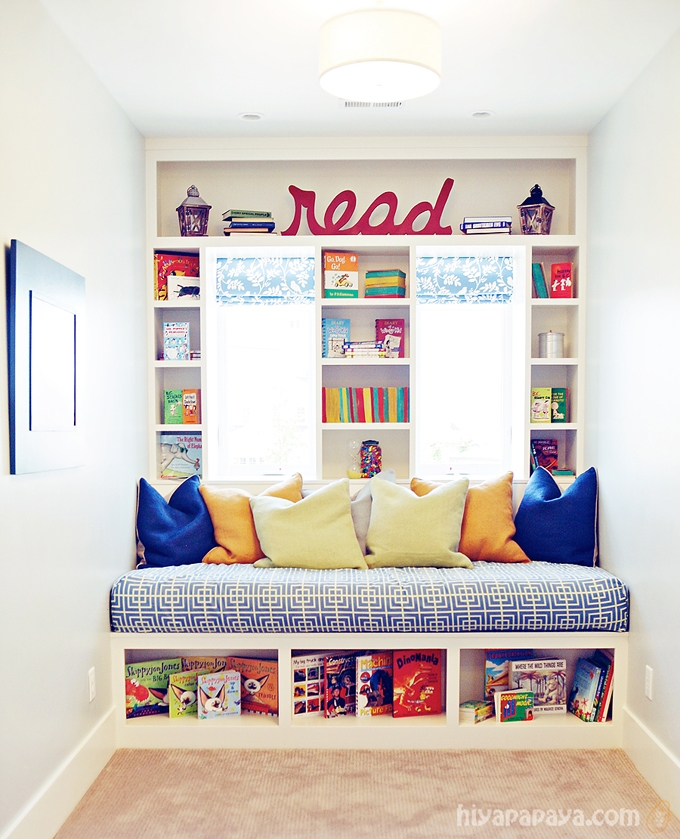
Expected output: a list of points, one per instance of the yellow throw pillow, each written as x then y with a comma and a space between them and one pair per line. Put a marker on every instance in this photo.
317, 532
233, 522
488, 525
409, 530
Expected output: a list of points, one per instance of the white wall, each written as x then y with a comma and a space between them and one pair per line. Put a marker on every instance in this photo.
633, 385
71, 186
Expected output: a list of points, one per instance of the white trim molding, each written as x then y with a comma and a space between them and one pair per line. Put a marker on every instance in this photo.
659, 767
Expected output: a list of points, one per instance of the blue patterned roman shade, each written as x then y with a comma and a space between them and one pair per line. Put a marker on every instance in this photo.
273, 280
464, 279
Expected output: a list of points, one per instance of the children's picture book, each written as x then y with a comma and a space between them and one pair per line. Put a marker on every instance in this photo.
374, 684
191, 406
181, 455
341, 686
583, 694
561, 279
544, 453
176, 341
334, 333
259, 684
182, 694
207, 663
541, 401
538, 277
475, 710
390, 332
308, 684
417, 683
219, 694
514, 705
604, 659
497, 670
183, 288
340, 274
559, 404
169, 263
172, 407
546, 678
146, 686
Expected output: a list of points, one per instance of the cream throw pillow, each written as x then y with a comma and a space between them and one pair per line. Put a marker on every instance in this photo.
406, 529
316, 532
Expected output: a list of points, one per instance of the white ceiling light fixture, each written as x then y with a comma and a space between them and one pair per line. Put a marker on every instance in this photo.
380, 55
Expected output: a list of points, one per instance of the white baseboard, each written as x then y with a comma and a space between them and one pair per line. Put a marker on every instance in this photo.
654, 762
49, 808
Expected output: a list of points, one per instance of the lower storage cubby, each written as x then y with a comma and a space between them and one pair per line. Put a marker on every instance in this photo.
462, 668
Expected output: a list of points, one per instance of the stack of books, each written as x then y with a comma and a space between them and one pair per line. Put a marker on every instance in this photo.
475, 710
591, 690
248, 221
364, 349
388, 283
486, 224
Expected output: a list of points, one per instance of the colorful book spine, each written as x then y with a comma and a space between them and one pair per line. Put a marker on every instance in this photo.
364, 404
538, 276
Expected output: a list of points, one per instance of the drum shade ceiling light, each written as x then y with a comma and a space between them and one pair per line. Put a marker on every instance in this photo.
379, 55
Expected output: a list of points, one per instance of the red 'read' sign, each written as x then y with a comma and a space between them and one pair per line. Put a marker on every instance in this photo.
306, 199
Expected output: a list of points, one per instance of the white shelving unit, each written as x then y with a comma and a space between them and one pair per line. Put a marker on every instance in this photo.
491, 176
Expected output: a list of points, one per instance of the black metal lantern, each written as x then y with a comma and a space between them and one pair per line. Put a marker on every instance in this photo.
535, 213
193, 214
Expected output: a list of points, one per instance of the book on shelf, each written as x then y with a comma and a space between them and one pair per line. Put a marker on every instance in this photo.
340, 274
541, 401
176, 341
390, 332
191, 406
181, 455
334, 333
561, 280
219, 694
340, 689
229, 215
514, 706
538, 279
374, 684
364, 404
387, 272
363, 349
206, 663
562, 472
544, 453
417, 683
173, 263
584, 687
172, 407
605, 689
385, 291
559, 405
259, 684
487, 219
183, 288
490, 224
497, 669
146, 686
182, 693
475, 710
308, 684
250, 231
546, 678
251, 224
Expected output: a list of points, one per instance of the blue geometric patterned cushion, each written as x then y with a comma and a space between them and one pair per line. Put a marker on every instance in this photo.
559, 527
175, 532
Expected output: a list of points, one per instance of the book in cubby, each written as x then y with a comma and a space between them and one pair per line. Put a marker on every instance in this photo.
390, 333
497, 669
365, 404
549, 405
476, 710
417, 683
340, 274
334, 333
176, 345
561, 280
374, 684
540, 287
308, 684
514, 705
590, 695
341, 687
180, 455
546, 678
390, 282
146, 686
259, 684
182, 406
182, 693
544, 453
219, 694
177, 265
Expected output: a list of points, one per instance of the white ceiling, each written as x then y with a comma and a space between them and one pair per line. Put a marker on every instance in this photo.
188, 68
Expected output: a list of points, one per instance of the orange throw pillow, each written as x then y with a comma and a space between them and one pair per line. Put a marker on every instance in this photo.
233, 522
488, 525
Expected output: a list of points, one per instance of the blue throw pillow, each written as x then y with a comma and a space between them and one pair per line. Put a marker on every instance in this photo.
559, 527
175, 532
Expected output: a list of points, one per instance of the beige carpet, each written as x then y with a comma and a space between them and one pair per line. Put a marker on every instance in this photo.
178, 794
